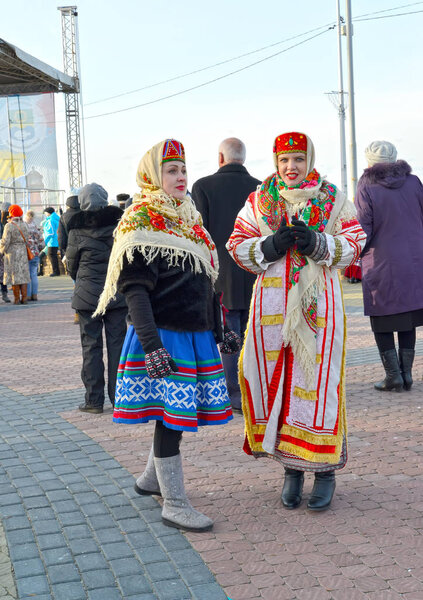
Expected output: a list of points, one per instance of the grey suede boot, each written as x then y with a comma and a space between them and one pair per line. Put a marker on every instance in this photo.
177, 509
147, 483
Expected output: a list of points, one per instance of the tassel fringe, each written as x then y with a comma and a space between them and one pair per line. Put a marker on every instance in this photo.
174, 257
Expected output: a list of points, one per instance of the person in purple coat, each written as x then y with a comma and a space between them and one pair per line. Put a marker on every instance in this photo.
389, 205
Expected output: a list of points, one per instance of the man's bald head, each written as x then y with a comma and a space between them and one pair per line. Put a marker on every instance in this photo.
231, 150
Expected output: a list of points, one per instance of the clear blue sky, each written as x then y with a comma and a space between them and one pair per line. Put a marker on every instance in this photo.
132, 44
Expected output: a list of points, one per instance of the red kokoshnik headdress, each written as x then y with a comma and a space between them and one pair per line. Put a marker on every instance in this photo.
173, 150
290, 142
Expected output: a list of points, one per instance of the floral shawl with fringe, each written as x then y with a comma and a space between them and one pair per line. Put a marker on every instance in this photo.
157, 224
317, 203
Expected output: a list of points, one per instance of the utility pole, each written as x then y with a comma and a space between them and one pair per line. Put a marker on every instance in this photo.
351, 111
341, 103
70, 62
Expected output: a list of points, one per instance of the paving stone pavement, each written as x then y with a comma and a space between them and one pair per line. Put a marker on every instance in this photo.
75, 529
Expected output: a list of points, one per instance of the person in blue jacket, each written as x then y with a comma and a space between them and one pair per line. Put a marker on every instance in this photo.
50, 227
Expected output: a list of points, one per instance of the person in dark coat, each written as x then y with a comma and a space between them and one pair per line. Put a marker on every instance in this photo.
89, 245
219, 198
62, 233
123, 200
389, 205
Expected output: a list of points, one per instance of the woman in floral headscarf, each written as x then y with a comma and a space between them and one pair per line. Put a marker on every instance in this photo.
165, 264
295, 232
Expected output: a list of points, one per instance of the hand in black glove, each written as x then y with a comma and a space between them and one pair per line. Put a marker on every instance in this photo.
276, 245
160, 364
305, 237
231, 343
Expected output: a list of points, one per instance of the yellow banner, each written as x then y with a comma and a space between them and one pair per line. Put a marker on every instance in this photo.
11, 167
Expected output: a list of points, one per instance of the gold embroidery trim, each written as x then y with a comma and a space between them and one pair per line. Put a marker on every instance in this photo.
272, 354
304, 394
313, 438
318, 359
337, 440
321, 322
252, 254
274, 282
272, 319
338, 252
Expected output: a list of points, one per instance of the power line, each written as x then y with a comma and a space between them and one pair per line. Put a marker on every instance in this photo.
195, 87
390, 16
223, 62
327, 27
218, 64
248, 66
377, 12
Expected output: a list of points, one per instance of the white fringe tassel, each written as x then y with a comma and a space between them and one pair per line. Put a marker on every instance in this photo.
173, 256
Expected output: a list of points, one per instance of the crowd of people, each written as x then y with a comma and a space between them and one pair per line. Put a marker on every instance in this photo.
22, 244
180, 282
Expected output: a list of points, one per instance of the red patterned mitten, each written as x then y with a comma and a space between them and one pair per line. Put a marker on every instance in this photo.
159, 364
231, 343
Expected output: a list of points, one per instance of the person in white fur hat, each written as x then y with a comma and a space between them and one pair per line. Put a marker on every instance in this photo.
380, 152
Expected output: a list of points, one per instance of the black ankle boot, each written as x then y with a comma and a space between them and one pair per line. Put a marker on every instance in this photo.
91, 408
393, 380
322, 492
292, 488
406, 359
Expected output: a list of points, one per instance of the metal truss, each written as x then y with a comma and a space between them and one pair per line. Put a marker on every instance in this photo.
72, 108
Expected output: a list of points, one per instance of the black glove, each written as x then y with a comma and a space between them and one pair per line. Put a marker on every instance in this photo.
305, 237
231, 343
276, 245
160, 364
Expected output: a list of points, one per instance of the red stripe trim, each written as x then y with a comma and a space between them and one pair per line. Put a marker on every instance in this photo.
266, 372
276, 378
318, 448
255, 342
322, 354
331, 349
250, 402
287, 387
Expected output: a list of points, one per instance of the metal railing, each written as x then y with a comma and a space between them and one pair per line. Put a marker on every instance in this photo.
34, 199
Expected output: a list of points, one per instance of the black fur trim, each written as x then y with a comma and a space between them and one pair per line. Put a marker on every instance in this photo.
90, 219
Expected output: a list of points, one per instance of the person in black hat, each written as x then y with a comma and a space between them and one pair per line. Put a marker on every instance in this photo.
123, 199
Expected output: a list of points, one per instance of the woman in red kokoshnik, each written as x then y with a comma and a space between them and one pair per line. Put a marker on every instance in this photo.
295, 232
165, 264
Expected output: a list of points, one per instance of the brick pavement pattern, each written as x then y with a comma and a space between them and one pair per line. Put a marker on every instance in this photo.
56, 464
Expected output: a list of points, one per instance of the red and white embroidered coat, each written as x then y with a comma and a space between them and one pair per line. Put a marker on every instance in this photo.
303, 426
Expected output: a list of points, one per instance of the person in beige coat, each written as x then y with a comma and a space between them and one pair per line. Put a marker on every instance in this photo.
13, 246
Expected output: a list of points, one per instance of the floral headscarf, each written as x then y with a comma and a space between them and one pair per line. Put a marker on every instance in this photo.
157, 224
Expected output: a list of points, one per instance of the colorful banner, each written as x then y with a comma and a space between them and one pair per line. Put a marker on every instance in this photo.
28, 151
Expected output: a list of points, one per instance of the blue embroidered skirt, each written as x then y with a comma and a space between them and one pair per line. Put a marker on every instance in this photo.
193, 396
